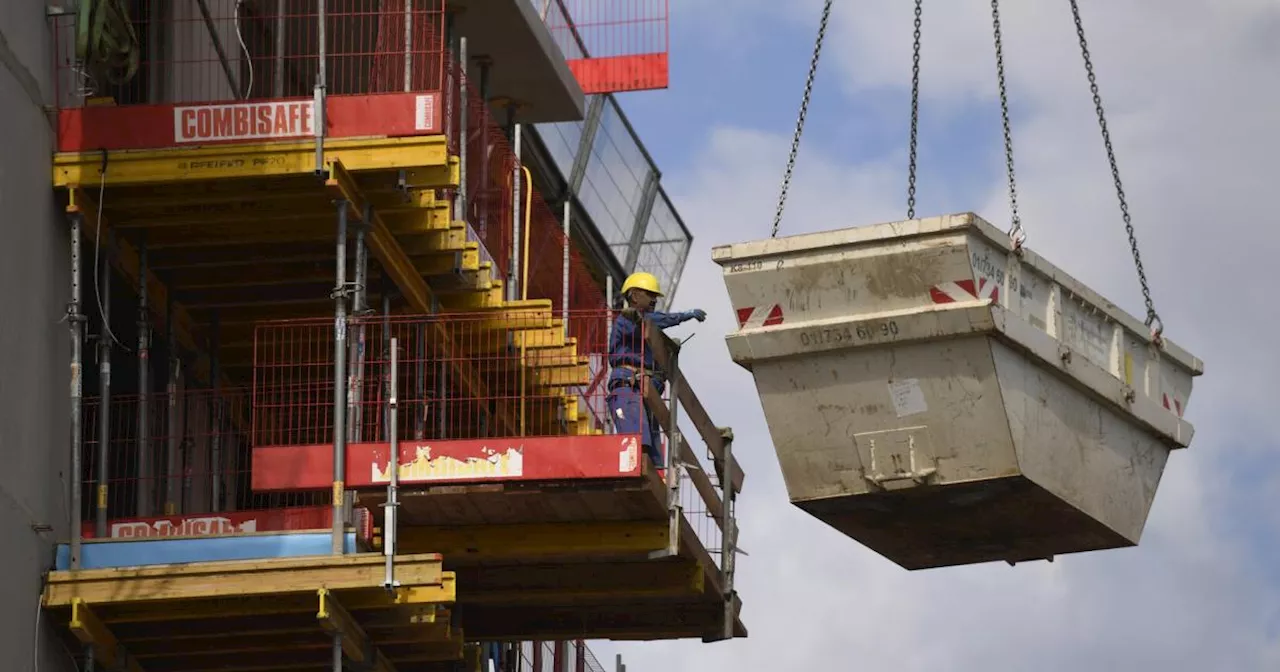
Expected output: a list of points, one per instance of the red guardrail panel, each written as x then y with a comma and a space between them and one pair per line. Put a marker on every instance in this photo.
247, 71
612, 45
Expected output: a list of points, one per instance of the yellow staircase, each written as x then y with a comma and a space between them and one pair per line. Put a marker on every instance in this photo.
245, 233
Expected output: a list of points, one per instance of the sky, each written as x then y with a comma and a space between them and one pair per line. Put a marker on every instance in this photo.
1192, 92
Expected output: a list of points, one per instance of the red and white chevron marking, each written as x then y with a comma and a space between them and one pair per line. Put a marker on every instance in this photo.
757, 317
1177, 405
963, 290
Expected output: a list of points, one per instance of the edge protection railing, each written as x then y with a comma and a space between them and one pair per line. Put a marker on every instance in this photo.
715, 500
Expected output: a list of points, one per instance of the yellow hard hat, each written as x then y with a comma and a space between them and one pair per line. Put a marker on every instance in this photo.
646, 281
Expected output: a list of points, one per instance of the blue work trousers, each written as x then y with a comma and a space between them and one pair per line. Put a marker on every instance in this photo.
626, 404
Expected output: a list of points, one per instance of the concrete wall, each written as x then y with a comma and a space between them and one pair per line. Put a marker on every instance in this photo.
34, 347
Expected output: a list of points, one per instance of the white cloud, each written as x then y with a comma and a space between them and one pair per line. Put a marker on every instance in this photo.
1191, 91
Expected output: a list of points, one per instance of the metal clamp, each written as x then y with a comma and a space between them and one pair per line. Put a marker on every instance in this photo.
74, 316
345, 290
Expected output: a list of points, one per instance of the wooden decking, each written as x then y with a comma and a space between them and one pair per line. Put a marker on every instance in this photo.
258, 615
564, 560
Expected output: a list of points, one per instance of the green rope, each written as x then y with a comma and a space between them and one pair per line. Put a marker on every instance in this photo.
105, 39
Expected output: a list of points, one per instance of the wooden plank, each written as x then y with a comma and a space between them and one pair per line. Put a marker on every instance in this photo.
619, 583
335, 620
464, 545
427, 156
277, 609
672, 619
235, 578
87, 628
634, 500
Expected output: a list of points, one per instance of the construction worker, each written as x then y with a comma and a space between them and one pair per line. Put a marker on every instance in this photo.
630, 368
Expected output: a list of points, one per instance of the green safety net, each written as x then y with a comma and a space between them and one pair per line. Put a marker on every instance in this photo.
106, 41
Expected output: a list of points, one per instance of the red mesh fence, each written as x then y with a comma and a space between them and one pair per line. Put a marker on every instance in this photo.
253, 49
546, 272
490, 171
460, 376
186, 472
612, 45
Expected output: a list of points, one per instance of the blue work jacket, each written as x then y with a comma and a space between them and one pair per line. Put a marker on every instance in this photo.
626, 341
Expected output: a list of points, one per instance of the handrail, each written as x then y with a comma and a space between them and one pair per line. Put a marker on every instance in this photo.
701, 482
712, 435
720, 441
662, 347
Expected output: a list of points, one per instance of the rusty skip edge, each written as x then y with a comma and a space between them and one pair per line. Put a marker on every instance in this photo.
780, 249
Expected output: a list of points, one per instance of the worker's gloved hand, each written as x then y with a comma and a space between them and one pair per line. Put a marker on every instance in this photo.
697, 314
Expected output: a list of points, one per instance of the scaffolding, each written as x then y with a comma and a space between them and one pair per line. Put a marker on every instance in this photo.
385, 400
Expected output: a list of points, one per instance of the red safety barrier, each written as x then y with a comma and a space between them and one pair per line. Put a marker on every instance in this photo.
612, 45
503, 395
188, 473
490, 174
246, 71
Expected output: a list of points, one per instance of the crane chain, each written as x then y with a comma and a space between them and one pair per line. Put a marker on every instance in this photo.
1016, 234
915, 114
1153, 318
804, 112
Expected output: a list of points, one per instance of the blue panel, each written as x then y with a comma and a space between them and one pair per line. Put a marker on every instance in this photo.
109, 554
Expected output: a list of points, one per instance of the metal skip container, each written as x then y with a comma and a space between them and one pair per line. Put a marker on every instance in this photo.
945, 401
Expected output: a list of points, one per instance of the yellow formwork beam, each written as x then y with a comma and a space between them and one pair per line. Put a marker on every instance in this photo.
335, 620
382, 243
427, 157
538, 337
536, 542
565, 355
582, 427
451, 239
520, 316
262, 275
307, 213
474, 299
432, 218
306, 208
239, 578
466, 260
380, 240
245, 234
562, 376
283, 273
421, 604
313, 228
91, 631
165, 202
544, 337
529, 585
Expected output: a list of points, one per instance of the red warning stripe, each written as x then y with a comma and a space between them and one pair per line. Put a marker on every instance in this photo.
965, 290
756, 317
1177, 405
